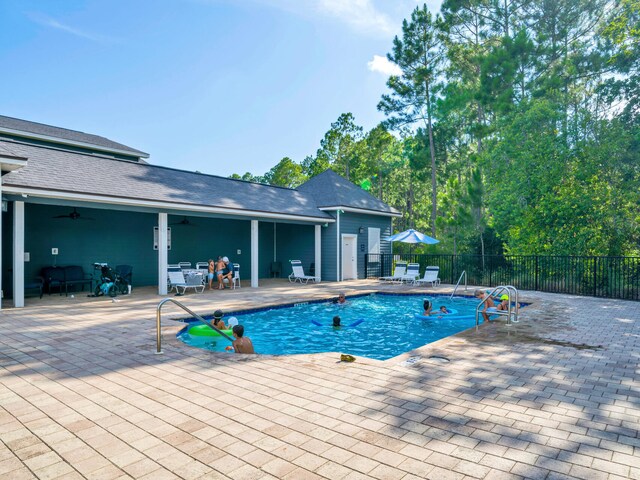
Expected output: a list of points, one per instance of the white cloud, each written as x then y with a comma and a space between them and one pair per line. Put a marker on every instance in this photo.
360, 14
55, 24
384, 66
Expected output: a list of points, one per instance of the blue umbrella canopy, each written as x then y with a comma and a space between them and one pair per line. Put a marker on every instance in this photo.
412, 236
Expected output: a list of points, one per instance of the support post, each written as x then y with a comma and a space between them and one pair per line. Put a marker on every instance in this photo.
318, 253
1, 213
254, 253
18, 254
162, 253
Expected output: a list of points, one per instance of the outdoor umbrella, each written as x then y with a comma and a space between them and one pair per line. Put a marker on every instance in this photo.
412, 236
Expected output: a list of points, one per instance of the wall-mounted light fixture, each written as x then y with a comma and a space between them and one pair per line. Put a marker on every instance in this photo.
361, 230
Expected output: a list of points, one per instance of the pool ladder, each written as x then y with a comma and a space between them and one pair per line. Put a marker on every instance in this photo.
463, 274
193, 314
512, 313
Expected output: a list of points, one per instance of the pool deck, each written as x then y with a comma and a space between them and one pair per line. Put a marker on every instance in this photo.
82, 395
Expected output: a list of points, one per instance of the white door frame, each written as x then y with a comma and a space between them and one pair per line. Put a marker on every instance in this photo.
354, 262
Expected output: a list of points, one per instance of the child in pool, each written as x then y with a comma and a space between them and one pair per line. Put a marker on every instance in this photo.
504, 303
241, 344
427, 306
443, 310
336, 321
217, 320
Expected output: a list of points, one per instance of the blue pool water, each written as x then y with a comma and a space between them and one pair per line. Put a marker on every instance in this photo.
389, 327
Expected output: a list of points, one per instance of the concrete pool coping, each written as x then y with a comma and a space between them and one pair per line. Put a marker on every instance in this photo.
83, 396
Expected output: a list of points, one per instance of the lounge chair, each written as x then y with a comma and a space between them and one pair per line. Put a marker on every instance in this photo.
177, 280
412, 274
430, 276
236, 276
184, 265
398, 272
298, 273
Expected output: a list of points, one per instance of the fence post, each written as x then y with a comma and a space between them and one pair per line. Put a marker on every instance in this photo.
382, 264
595, 272
366, 265
453, 278
536, 275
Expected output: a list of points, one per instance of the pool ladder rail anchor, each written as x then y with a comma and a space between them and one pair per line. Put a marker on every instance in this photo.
512, 313
189, 311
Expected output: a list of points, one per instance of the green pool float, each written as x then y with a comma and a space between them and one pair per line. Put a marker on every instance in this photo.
207, 331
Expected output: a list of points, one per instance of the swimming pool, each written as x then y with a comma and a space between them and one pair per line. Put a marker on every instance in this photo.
389, 326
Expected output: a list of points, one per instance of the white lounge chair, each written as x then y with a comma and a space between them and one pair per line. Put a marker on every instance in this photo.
398, 272
430, 276
177, 280
203, 268
184, 265
298, 273
413, 272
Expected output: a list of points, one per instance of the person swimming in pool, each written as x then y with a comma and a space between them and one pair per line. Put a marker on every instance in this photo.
504, 303
427, 306
341, 300
443, 310
336, 321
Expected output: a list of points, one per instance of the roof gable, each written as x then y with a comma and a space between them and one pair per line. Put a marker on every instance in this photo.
332, 190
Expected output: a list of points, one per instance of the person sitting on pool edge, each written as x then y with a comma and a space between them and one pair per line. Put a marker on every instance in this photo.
504, 303
336, 321
427, 305
241, 344
217, 320
341, 299
489, 305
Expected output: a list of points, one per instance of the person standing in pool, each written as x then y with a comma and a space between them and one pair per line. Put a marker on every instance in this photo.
341, 300
241, 344
504, 303
336, 321
489, 305
427, 306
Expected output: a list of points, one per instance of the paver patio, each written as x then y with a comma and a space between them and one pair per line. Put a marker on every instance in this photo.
82, 395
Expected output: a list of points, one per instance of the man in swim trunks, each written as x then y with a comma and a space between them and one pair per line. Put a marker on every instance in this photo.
489, 305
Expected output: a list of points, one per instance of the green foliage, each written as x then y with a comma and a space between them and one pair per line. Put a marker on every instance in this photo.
517, 129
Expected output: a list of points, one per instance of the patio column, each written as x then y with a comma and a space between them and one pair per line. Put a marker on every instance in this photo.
254, 254
318, 258
18, 254
2, 295
162, 253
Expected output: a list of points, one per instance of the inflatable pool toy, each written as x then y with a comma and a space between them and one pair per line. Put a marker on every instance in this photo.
207, 331
233, 321
354, 324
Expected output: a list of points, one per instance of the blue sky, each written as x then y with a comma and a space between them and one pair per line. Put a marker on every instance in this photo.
219, 86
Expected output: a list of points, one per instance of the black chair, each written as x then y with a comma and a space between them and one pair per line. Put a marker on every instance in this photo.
125, 272
53, 277
74, 275
312, 269
275, 270
38, 284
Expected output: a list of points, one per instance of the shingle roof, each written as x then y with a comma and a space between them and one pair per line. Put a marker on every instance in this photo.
58, 170
331, 190
63, 134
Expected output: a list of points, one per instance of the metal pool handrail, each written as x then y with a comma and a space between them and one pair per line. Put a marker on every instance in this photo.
195, 315
463, 274
513, 293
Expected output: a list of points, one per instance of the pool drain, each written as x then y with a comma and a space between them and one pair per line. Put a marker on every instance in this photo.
410, 361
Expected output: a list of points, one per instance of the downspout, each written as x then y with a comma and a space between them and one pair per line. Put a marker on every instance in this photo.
338, 276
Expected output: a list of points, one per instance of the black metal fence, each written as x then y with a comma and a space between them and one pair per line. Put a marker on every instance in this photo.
609, 277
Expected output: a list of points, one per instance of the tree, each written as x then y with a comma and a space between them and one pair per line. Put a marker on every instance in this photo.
286, 173
338, 148
419, 56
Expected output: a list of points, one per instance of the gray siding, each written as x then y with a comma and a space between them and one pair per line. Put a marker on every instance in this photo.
350, 223
295, 242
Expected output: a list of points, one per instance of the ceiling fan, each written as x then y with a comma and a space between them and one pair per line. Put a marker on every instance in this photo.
75, 215
185, 221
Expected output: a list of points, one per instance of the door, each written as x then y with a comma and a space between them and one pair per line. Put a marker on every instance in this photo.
349, 257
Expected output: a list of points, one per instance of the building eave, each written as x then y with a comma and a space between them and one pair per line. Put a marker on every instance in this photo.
182, 207
74, 143
360, 210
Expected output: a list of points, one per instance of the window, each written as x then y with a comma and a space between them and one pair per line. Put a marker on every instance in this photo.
374, 240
